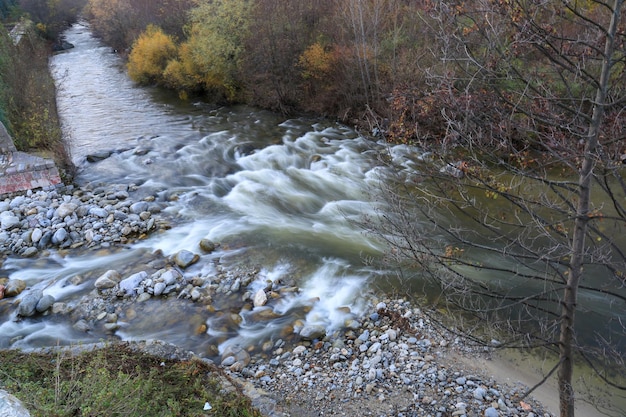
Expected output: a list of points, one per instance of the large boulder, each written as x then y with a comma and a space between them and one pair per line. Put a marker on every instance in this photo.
11, 406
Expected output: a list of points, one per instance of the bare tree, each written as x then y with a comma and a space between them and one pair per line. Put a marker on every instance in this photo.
521, 223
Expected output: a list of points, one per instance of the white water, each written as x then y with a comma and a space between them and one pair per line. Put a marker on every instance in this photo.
278, 195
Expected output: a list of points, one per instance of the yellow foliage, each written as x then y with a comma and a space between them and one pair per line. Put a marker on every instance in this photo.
316, 62
183, 73
150, 56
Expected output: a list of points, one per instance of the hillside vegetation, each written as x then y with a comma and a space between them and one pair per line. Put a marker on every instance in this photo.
415, 69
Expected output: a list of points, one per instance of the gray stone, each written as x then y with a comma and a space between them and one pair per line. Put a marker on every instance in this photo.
98, 212
36, 235
159, 287
65, 209
139, 207
170, 276
185, 258
59, 236
9, 221
45, 303
30, 252
374, 348
260, 298
491, 412
312, 332
17, 202
479, 393
10, 406
28, 305
108, 280
82, 326
130, 284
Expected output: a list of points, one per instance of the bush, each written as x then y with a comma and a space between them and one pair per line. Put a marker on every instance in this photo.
118, 381
182, 73
150, 56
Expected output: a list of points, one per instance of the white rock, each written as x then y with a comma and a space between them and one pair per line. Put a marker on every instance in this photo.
108, 280
130, 284
260, 298
65, 209
10, 406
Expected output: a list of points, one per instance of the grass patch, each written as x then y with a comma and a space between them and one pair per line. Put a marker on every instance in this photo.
118, 381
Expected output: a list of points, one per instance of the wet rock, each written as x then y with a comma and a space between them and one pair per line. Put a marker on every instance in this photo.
14, 288
241, 357
82, 326
99, 156
28, 305
45, 303
30, 252
312, 332
1, 292
260, 298
108, 280
207, 245
185, 258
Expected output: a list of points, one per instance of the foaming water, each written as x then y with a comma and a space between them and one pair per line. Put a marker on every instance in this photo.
282, 196
277, 195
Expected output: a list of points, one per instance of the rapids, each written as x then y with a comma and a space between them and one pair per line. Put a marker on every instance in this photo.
283, 197
277, 195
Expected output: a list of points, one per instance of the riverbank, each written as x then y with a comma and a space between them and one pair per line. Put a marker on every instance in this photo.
391, 361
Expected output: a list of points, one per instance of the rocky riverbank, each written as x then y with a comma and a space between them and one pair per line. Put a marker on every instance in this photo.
397, 363
393, 361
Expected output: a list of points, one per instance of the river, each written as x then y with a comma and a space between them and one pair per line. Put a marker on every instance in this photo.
281, 196
277, 194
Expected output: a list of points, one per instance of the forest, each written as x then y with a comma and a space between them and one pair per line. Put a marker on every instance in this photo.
521, 101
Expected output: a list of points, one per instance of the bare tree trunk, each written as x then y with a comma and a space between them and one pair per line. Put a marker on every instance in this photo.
566, 340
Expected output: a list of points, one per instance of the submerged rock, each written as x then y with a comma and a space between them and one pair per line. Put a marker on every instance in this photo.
185, 258
14, 288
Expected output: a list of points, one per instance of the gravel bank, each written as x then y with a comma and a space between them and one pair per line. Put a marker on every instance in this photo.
398, 363
394, 361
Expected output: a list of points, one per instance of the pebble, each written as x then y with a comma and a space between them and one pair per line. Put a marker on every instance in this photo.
68, 217
391, 367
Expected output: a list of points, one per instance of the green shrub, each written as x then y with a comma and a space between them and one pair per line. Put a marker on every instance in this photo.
117, 381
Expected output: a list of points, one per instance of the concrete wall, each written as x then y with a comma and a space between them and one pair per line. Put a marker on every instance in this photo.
20, 171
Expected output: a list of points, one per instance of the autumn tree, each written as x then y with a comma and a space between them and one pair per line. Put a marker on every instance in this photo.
53, 16
120, 22
150, 56
280, 32
216, 41
520, 223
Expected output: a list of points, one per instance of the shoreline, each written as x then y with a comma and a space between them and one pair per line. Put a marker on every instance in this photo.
394, 359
